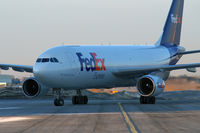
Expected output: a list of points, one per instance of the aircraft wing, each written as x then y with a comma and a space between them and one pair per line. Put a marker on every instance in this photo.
189, 52
129, 72
19, 68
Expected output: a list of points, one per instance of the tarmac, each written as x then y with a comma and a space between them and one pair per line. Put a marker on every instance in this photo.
100, 116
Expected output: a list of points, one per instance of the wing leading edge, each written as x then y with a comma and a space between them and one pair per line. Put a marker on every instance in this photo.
19, 68
189, 52
128, 72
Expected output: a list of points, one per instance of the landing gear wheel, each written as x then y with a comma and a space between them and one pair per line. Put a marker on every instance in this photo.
142, 100
152, 100
75, 100
85, 99
58, 102
79, 100
147, 100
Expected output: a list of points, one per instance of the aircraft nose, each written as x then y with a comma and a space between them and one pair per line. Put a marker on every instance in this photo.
40, 71
35, 69
44, 73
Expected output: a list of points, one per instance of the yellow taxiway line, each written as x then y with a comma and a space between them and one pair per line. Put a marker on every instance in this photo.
128, 121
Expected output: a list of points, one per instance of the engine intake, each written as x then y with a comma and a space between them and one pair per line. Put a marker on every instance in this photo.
33, 88
150, 85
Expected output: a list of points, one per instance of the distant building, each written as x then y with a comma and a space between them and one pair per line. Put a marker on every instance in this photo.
6, 79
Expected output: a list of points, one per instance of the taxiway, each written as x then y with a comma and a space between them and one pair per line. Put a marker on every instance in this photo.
99, 116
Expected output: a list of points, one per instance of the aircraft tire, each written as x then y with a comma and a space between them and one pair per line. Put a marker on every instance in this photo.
152, 100
79, 100
75, 100
59, 102
147, 100
143, 100
56, 102
85, 99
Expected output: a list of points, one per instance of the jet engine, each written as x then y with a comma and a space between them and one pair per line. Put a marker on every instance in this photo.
32, 88
150, 85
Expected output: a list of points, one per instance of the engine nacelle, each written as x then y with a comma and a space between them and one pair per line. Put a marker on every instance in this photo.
32, 88
150, 85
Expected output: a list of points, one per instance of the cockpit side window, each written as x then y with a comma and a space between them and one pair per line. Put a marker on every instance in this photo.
55, 60
51, 60
39, 60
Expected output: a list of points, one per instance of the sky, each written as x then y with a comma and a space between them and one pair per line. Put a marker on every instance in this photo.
29, 27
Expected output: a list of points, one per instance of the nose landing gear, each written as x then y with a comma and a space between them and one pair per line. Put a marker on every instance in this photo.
79, 98
58, 100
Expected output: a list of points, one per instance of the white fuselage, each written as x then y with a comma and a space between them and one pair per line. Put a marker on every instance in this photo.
76, 67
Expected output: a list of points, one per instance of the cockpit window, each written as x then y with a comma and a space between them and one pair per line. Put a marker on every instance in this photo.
43, 60
39, 60
55, 60
51, 60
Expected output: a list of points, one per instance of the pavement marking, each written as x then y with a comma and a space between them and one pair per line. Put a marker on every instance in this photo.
6, 108
128, 121
103, 113
14, 119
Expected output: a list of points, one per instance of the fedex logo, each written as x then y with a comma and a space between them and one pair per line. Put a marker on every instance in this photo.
175, 19
91, 64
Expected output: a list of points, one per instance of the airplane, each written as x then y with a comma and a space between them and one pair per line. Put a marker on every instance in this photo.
81, 67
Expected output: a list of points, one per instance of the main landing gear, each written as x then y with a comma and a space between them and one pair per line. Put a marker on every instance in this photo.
79, 98
147, 100
58, 100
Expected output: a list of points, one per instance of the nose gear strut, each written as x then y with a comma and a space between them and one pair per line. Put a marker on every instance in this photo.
58, 99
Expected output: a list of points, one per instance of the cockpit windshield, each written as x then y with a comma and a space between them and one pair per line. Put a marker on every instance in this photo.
44, 60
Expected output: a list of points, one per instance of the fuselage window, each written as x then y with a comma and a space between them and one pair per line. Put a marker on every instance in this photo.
45, 60
39, 60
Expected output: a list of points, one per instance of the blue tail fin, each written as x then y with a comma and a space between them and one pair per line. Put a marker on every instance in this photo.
172, 29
